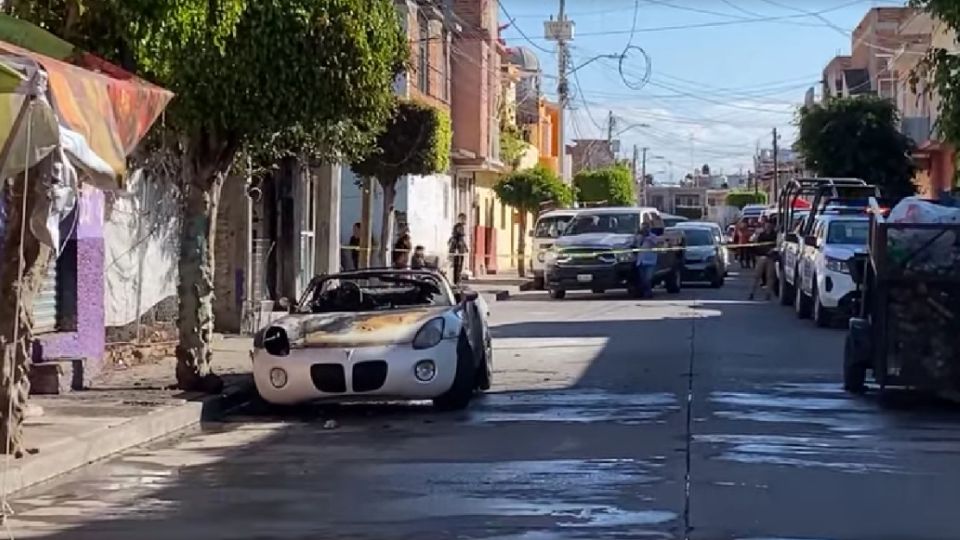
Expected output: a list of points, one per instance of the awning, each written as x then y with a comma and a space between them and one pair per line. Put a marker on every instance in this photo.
103, 111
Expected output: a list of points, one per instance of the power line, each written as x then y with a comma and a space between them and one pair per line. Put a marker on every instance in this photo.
513, 23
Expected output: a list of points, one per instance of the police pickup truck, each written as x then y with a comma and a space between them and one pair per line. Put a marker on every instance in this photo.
596, 252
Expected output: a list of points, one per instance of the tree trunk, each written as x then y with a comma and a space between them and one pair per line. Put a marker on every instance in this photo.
16, 354
522, 245
206, 162
386, 221
366, 222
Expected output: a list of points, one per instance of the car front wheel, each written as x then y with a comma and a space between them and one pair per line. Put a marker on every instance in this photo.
461, 391
558, 294
822, 316
801, 302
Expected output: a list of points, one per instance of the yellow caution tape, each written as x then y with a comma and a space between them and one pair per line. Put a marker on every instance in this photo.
571, 255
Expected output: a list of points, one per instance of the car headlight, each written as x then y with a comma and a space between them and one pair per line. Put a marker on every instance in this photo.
430, 335
837, 265
425, 370
278, 377
626, 256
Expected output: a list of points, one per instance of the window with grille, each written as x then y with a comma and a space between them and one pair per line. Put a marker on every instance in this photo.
423, 65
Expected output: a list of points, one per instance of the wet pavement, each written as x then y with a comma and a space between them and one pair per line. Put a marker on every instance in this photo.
697, 416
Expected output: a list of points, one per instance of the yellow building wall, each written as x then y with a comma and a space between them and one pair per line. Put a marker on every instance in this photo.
503, 219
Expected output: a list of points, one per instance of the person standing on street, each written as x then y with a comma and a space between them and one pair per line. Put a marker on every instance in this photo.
646, 262
766, 241
402, 248
354, 244
457, 247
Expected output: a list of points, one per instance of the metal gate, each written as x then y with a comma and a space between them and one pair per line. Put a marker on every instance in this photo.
45, 303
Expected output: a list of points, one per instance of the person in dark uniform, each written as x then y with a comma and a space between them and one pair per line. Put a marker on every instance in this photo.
354, 244
402, 248
457, 247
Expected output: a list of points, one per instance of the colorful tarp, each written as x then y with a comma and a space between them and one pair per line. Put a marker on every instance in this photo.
107, 108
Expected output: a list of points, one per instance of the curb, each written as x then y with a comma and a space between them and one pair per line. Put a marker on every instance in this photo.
497, 296
67, 455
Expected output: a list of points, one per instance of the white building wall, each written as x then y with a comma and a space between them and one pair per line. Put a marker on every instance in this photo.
141, 236
427, 202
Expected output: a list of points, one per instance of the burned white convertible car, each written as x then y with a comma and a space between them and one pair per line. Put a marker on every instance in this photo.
377, 335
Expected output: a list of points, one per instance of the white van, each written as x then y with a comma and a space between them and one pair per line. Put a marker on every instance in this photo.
549, 226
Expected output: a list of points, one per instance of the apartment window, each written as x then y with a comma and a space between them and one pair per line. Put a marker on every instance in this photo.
423, 64
445, 67
687, 200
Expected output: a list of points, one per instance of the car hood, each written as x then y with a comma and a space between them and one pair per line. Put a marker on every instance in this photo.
354, 329
595, 240
700, 251
844, 251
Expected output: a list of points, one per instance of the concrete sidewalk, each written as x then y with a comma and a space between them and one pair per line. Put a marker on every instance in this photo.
124, 408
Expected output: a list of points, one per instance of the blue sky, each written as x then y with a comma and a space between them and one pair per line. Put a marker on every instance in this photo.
720, 79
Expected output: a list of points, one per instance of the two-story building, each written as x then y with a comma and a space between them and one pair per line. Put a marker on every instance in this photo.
428, 204
919, 105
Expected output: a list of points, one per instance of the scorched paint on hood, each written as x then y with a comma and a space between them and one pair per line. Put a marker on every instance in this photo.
357, 329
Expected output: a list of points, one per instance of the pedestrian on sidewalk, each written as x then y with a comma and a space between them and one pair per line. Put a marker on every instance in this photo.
457, 247
402, 248
354, 244
646, 262
419, 259
766, 241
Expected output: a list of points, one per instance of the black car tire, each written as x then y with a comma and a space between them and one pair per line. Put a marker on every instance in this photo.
822, 317
854, 368
786, 291
801, 303
672, 282
558, 294
484, 377
716, 280
538, 283
461, 391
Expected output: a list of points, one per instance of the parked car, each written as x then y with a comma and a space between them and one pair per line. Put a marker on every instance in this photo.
596, 252
670, 220
377, 334
725, 257
545, 232
826, 289
702, 255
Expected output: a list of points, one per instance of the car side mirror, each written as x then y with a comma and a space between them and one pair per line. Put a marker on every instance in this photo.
810, 241
465, 295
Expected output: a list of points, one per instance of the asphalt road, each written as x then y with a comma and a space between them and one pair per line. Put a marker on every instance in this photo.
698, 416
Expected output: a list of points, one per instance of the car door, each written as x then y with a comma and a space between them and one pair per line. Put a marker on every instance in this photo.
808, 260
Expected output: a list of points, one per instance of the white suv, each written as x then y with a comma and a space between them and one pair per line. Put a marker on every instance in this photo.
826, 289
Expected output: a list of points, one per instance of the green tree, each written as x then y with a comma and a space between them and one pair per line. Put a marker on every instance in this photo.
314, 74
416, 141
939, 69
857, 137
743, 198
525, 191
610, 185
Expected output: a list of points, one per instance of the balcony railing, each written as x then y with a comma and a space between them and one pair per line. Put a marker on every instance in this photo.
917, 128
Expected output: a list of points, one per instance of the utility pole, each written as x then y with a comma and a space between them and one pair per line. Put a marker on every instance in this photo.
561, 31
643, 175
776, 167
611, 125
633, 169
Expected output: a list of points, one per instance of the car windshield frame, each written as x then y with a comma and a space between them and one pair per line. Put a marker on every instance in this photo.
318, 286
624, 226
711, 238
861, 224
551, 220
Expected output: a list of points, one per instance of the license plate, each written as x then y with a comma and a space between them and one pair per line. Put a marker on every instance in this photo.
584, 278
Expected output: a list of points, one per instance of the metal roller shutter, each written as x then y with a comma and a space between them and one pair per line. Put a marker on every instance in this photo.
45, 303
